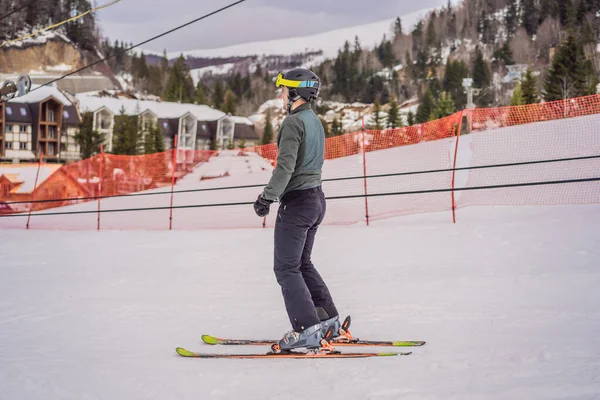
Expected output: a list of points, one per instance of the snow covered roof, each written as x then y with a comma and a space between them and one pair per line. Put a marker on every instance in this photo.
242, 120
88, 103
40, 93
26, 173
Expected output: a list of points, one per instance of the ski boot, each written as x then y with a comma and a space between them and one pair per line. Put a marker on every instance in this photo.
312, 339
341, 331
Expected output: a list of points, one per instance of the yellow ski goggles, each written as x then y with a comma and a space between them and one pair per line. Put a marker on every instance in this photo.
281, 81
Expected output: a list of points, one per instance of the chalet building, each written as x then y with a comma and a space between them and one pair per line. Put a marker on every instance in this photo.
43, 121
196, 126
47, 121
69, 148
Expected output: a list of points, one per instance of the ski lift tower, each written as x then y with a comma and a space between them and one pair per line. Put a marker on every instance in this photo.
468, 85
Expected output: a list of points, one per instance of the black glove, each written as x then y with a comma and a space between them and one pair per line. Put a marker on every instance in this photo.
262, 206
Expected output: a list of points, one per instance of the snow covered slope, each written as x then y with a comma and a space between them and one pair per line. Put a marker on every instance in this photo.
507, 301
329, 42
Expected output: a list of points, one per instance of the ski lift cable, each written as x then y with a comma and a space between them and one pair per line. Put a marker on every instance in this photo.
142, 43
83, 14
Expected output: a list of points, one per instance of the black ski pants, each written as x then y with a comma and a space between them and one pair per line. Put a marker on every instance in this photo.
306, 296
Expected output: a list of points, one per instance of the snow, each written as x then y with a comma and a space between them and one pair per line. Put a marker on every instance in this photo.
328, 42
60, 68
222, 69
92, 103
506, 300
242, 120
40, 38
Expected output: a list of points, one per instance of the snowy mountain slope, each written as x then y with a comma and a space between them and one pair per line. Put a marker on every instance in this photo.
328, 42
507, 301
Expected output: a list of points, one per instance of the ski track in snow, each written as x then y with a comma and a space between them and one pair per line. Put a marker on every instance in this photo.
507, 300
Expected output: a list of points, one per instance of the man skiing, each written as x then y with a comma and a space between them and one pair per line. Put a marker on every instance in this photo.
296, 185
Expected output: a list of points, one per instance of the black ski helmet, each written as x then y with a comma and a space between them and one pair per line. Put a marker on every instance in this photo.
302, 83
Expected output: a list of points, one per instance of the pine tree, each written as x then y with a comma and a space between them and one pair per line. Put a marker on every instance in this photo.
87, 138
567, 75
445, 106
268, 130
180, 86
377, 118
126, 135
517, 98
431, 36
200, 94
481, 71
154, 141
394, 120
398, 27
512, 17
531, 16
456, 71
426, 108
229, 104
218, 95
410, 119
452, 31
529, 88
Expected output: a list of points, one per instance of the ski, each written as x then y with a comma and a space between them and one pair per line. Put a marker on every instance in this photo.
212, 340
294, 354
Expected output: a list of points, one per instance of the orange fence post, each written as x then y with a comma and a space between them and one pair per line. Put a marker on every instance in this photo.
34, 187
458, 130
100, 183
364, 150
174, 163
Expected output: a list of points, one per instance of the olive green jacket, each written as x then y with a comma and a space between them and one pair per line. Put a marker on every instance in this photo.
301, 146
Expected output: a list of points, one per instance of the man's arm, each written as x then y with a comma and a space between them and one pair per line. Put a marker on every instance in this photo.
291, 137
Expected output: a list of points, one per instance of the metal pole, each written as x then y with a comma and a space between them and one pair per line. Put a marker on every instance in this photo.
174, 164
34, 187
365, 171
100, 183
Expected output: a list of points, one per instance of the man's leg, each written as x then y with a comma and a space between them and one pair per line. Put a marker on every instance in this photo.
319, 291
291, 228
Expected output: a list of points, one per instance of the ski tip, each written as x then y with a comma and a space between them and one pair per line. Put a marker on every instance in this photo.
393, 354
404, 343
183, 352
210, 339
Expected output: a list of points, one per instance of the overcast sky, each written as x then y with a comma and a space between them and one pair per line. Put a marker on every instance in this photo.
253, 20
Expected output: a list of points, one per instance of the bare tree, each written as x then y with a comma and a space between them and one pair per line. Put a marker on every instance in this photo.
548, 36
522, 48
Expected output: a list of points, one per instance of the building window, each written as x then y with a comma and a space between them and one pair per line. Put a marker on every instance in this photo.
9, 128
8, 111
51, 132
63, 147
23, 128
23, 112
22, 145
9, 145
51, 116
51, 149
66, 114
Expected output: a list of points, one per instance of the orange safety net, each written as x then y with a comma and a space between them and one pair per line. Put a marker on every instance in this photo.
537, 132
